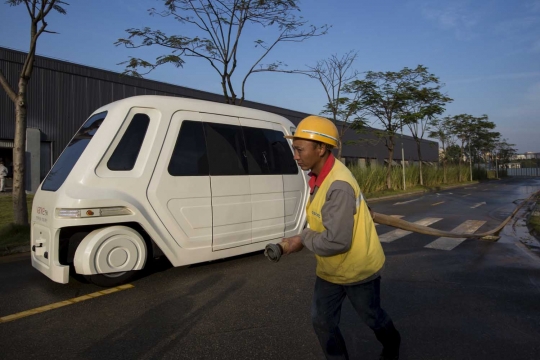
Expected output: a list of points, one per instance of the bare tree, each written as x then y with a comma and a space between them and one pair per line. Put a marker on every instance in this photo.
334, 73
38, 11
221, 24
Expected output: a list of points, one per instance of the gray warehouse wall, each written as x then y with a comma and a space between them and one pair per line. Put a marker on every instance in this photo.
61, 95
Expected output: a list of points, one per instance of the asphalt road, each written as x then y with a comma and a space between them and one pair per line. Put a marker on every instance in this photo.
478, 300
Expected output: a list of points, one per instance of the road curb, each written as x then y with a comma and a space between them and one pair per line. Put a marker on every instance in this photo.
425, 191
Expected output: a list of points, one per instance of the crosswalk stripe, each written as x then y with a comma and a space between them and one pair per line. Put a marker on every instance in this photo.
399, 233
394, 216
444, 243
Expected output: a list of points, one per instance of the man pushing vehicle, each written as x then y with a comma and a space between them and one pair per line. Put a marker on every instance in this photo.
342, 235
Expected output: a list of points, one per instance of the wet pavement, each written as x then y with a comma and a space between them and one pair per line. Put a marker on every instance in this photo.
476, 301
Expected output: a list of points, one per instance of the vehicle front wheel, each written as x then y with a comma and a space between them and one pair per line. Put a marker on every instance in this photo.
111, 279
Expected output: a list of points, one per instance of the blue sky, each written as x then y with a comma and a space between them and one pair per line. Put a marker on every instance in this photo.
487, 52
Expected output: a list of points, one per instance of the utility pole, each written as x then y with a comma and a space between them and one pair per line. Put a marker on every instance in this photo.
402, 156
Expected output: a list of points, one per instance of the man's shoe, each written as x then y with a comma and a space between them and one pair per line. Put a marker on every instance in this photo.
390, 338
387, 356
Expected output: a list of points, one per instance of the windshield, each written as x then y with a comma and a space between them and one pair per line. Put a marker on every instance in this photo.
72, 152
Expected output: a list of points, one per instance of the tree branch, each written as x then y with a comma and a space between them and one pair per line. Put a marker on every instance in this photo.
8, 89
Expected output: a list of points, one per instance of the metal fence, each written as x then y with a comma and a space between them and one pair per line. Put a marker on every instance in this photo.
523, 172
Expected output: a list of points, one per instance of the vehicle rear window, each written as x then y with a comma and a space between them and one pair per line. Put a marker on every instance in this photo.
268, 153
126, 152
72, 153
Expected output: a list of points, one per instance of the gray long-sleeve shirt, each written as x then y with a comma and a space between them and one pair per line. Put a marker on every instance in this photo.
338, 219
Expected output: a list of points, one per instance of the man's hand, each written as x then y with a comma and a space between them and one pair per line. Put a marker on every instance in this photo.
294, 244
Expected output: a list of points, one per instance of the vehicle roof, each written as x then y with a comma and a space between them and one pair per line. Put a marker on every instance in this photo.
171, 103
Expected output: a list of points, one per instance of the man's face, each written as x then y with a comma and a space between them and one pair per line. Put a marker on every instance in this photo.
307, 153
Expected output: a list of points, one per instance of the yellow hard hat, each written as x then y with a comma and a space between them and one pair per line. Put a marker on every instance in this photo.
318, 129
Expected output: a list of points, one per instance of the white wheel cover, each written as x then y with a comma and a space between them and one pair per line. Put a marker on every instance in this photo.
110, 250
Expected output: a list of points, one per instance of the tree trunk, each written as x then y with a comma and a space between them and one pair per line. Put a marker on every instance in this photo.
444, 171
340, 142
420, 160
459, 166
390, 147
20, 210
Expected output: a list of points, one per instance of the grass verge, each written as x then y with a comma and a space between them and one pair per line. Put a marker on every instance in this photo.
534, 219
413, 189
11, 234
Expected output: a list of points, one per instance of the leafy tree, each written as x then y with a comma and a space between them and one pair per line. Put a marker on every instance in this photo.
38, 10
384, 96
440, 129
420, 109
484, 145
504, 152
453, 154
470, 132
220, 25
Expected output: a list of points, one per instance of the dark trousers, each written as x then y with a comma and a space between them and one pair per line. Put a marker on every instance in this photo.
365, 298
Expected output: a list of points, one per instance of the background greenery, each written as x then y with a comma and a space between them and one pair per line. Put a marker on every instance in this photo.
372, 178
11, 234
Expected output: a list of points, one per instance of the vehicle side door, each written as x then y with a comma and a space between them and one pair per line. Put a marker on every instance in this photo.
266, 179
229, 180
179, 190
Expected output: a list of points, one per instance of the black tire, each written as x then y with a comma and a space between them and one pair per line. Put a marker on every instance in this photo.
112, 279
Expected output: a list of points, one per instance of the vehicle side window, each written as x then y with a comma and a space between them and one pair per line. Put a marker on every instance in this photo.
225, 149
126, 152
268, 152
189, 157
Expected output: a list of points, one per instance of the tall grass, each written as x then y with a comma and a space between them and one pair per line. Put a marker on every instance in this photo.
372, 179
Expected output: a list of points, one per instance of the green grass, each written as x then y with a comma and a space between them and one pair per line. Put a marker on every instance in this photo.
534, 222
11, 234
372, 179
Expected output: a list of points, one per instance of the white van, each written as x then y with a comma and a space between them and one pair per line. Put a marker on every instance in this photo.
152, 175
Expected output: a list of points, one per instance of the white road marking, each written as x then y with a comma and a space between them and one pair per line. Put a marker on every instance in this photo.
439, 203
466, 195
394, 216
399, 233
478, 205
406, 202
444, 243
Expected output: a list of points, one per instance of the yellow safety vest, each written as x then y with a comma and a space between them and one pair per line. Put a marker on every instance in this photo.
366, 256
